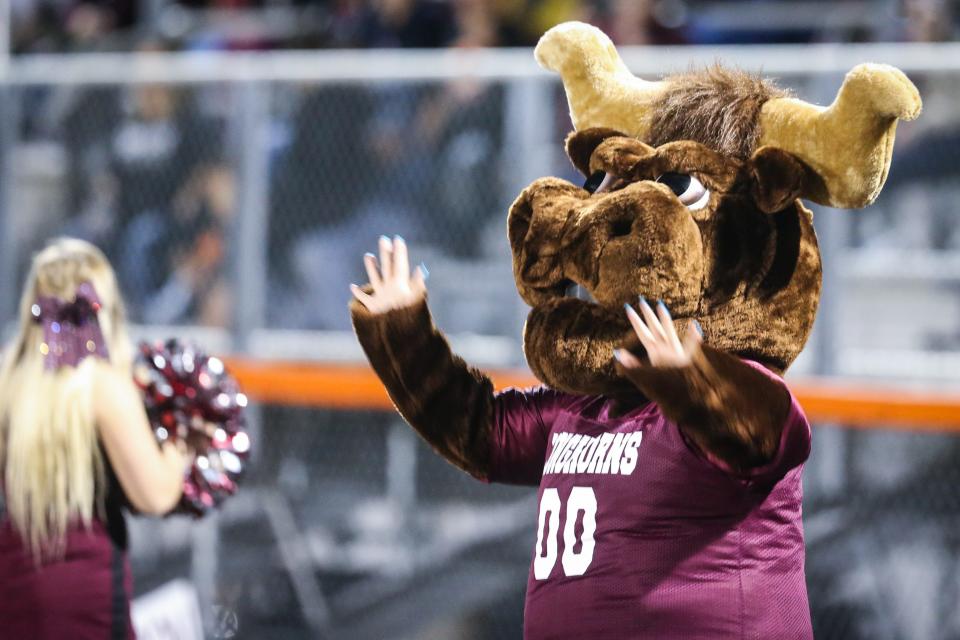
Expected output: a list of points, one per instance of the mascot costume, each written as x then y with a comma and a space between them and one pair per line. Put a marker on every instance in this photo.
667, 448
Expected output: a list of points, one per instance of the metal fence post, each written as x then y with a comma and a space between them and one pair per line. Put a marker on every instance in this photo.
9, 117
6, 35
831, 463
832, 231
251, 143
401, 490
204, 549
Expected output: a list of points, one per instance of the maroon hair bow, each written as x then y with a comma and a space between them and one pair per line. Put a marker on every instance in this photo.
71, 330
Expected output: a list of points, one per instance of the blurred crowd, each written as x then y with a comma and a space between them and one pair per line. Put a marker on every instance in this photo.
97, 25
146, 179
149, 172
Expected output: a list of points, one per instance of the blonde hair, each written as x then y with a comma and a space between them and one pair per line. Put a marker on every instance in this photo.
49, 451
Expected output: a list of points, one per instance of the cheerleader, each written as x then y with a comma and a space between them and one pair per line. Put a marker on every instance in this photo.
76, 449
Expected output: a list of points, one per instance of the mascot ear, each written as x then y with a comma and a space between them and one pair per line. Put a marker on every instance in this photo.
581, 144
777, 178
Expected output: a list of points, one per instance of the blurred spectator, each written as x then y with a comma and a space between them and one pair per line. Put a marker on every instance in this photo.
532, 17
196, 288
924, 171
437, 146
156, 147
434, 152
71, 25
407, 23
86, 128
153, 165
918, 21
317, 188
928, 20
645, 22
347, 19
736, 21
320, 179
327, 208
49, 25
460, 127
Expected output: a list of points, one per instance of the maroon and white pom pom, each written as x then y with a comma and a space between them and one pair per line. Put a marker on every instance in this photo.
190, 398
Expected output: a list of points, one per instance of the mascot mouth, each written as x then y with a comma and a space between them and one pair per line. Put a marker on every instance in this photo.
574, 311
569, 344
573, 290
569, 341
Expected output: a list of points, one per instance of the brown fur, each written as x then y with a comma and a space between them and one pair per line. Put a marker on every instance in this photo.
717, 107
449, 403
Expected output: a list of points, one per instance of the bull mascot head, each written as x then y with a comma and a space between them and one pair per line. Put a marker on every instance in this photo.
693, 196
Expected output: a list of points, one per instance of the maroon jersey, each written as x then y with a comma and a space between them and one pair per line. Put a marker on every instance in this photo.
641, 535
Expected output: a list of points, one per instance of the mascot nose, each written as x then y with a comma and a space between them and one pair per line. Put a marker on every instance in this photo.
558, 232
620, 221
626, 212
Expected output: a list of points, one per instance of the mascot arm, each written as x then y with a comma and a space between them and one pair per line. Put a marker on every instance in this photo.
448, 403
739, 414
493, 437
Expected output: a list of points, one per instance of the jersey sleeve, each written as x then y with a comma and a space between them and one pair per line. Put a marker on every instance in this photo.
519, 432
792, 450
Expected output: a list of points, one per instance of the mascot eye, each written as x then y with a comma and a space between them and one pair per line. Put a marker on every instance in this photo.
691, 191
598, 182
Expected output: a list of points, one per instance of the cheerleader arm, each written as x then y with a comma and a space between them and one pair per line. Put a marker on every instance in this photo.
151, 476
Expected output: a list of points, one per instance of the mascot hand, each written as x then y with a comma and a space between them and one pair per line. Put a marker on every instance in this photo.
392, 285
659, 338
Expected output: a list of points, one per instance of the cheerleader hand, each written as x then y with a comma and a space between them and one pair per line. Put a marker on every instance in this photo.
393, 285
187, 451
659, 338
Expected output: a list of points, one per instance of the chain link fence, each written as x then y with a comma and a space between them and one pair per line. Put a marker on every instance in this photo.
243, 204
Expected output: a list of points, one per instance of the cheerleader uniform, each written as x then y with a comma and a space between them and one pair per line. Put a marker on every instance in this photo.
85, 595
